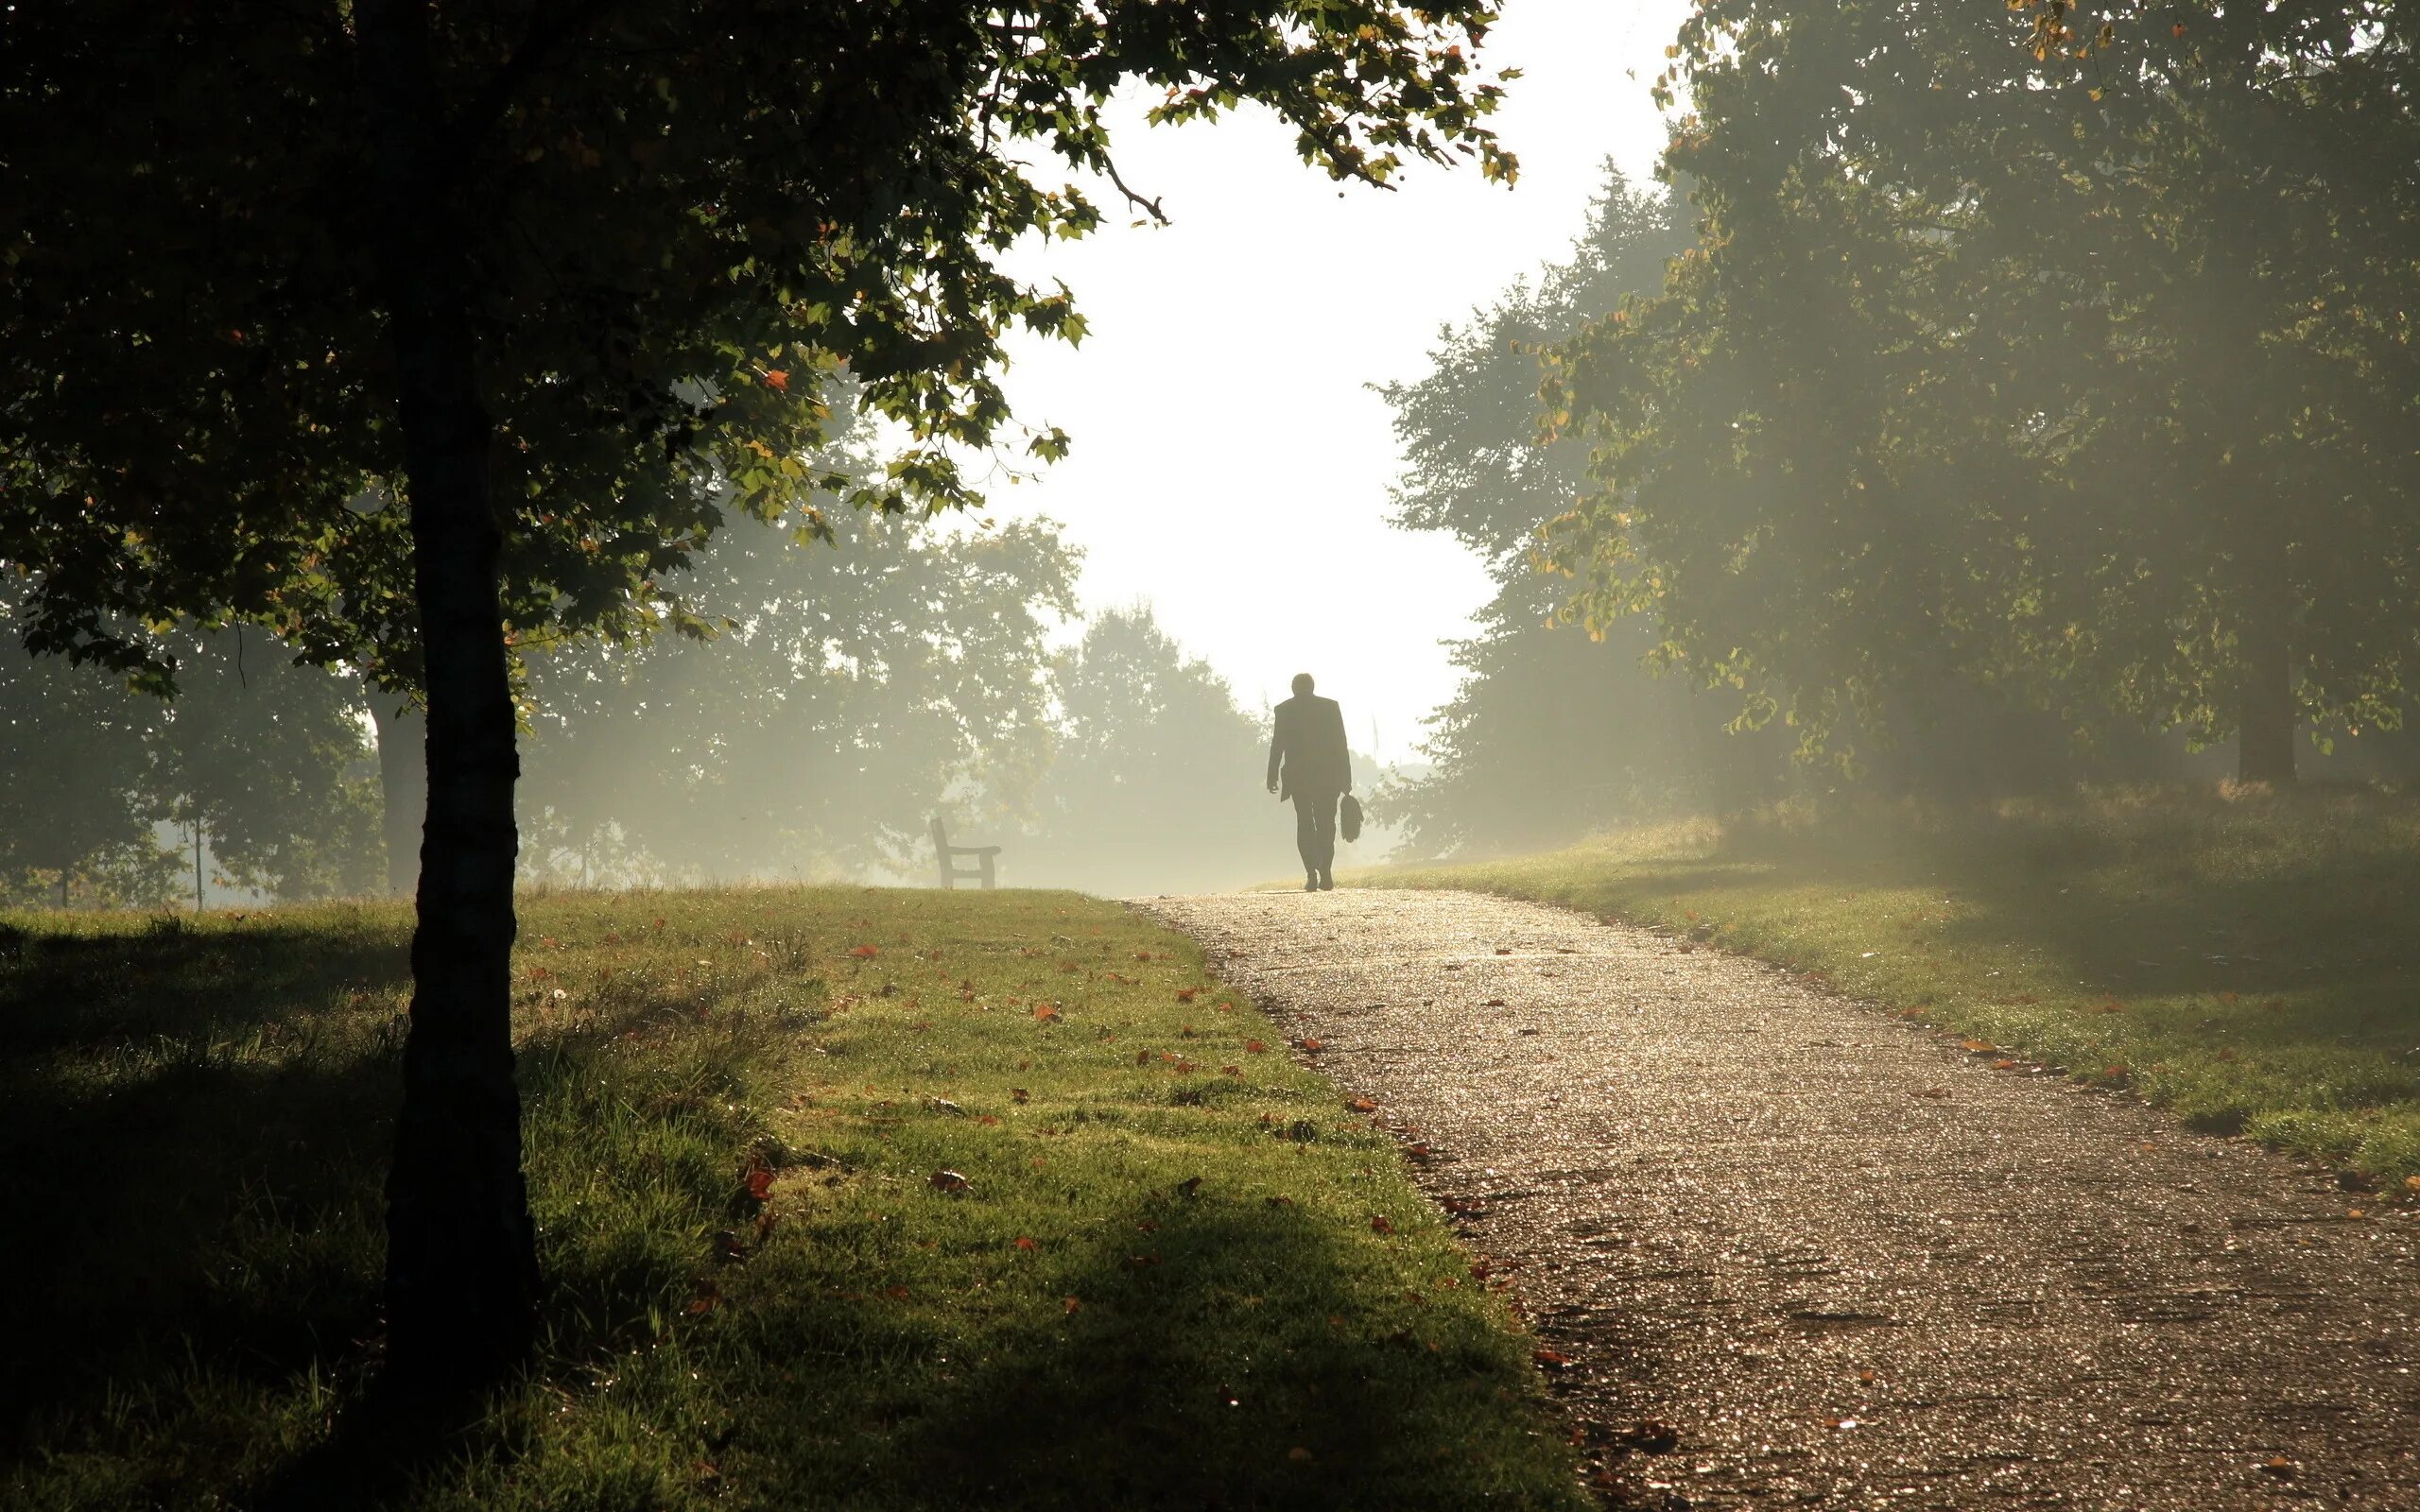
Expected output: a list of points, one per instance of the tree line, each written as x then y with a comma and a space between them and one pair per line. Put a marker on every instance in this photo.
1998, 396
848, 694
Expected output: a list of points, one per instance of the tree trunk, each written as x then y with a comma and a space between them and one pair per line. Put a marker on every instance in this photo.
461, 1250
402, 781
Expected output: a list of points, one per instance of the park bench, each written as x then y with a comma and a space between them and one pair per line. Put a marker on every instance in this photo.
950, 874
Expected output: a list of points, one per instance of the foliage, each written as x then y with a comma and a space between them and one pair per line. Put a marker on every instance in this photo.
856, 687
2088, 394
2239, 957
856, 1336
685, 214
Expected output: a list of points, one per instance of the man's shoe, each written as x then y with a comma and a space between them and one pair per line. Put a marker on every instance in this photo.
1328, 884
1311, 883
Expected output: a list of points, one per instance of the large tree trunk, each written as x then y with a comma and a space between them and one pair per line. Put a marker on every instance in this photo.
403, 783
461, 1251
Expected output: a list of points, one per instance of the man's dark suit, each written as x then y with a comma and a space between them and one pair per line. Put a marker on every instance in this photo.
1308, 756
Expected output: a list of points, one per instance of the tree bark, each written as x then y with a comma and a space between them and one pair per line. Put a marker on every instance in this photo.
403, 783
461, 1249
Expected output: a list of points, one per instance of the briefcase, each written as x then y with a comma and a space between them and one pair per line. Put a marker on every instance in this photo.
1348, 817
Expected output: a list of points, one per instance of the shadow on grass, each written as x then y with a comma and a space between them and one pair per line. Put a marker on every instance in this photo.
198, 1127
1225, 1360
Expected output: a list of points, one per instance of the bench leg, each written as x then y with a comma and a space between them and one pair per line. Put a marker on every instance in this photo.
987, 873
948, 882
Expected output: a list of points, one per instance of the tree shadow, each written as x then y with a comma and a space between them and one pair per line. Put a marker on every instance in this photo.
1155, 1390
199, 1127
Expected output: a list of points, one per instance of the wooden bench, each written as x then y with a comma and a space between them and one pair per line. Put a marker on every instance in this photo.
950, 874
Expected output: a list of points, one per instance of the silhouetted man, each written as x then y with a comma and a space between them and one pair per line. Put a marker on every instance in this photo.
1307, 763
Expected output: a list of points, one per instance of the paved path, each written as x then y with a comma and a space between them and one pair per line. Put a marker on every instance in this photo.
1844, 1263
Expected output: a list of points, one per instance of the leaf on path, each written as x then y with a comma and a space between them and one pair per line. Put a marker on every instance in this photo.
1930, 1091
1362, 1105
1552, 1359
1504, 949
1979, 1047
1493, 1003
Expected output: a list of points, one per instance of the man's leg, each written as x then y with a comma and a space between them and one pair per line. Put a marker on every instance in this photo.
1325, 823
1306, 838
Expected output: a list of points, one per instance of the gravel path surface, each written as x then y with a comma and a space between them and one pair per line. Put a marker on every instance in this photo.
1801, 1253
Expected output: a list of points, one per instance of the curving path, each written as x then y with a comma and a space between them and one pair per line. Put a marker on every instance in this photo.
1800, 1254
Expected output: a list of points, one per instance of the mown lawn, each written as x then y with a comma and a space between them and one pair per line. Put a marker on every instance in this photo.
848, 1198
2250, 960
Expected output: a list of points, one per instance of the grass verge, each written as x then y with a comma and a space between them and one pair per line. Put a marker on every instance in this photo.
2245, 958
848, 1199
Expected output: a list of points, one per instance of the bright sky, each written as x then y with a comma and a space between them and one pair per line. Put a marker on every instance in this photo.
1230, 466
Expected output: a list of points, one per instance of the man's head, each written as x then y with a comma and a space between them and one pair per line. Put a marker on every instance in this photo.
1303, 685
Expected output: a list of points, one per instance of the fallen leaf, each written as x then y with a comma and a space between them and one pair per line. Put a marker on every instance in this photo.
1254, 1047
1362, 1105
1074, 1305
1379, 1224
1298, 1454
1046, 1013
864, 952
1018, 1094
760, 1182
1190, 1186
1186, 994
1552, 1359
1930, 1091
951, 1182
1023, 1243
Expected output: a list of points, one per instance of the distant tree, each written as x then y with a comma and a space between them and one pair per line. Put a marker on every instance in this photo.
271, 761
555, 272
857, 687
1156, 781
74, 817
1552, 731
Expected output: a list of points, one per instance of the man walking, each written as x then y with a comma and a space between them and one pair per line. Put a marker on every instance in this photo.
1308, 764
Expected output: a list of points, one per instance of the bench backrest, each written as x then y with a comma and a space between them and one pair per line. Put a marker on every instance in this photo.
940, 837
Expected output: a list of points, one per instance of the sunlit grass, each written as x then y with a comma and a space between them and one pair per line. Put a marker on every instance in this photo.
738, 1103
2247, 959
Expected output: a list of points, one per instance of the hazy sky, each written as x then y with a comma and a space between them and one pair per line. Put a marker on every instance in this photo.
1230, 466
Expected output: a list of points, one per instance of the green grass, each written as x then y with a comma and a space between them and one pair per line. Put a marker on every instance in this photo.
2249, 960
195, 1117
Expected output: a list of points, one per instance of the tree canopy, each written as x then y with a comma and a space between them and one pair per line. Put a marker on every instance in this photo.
2088, 390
